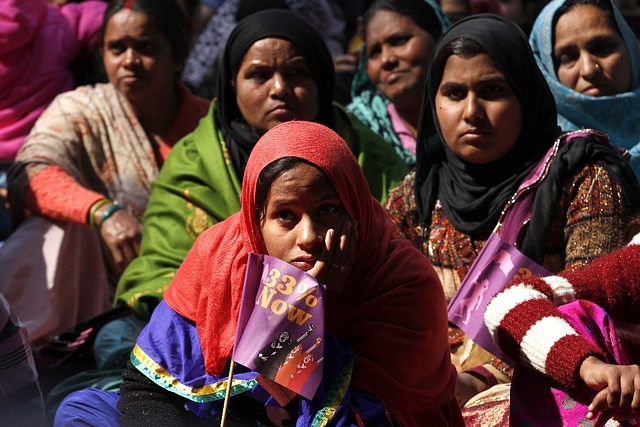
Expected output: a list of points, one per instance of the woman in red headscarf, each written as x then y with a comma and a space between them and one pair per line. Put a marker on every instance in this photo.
305, 201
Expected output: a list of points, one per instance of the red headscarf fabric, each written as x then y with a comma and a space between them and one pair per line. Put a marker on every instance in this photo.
392, 310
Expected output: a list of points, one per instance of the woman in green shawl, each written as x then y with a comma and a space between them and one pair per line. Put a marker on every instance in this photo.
275, 68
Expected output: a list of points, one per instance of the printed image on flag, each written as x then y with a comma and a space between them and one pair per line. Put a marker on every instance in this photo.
281, 324
496, 265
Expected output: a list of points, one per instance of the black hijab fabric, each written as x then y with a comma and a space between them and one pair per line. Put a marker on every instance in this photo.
473, 196
239, 136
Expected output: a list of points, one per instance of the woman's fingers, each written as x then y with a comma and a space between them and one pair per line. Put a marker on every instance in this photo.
620, 397
598, 405
339, 250
353, 242
337, 257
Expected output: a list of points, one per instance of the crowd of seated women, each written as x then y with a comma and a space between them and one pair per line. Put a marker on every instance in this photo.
137, 202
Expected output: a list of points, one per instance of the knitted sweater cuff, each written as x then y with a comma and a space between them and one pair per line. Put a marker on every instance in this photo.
565, 358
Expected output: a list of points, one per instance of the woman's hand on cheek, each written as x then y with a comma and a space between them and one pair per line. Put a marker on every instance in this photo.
337, 257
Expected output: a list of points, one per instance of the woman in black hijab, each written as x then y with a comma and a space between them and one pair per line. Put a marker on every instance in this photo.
239, 136
488, 124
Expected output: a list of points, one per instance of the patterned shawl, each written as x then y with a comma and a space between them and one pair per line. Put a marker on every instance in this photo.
392, 313
615, 115
95, 136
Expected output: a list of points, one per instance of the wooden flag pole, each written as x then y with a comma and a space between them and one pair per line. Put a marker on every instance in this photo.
227, 394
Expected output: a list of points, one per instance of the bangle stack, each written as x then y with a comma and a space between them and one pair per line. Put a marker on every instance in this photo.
107, 214
94, 209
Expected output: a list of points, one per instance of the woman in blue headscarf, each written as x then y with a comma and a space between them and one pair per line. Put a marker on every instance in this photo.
386, 93
591, 60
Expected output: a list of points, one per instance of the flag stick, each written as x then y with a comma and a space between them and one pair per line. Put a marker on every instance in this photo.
228, 394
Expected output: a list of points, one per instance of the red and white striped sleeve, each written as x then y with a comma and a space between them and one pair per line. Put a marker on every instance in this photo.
525, 324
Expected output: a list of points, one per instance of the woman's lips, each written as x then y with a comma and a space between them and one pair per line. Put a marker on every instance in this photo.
393, 77
592, 91
304, 264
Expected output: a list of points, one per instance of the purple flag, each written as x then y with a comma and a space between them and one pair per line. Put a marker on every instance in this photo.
498, 263
281, 324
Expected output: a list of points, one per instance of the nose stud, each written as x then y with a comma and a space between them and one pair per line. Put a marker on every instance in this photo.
137, 61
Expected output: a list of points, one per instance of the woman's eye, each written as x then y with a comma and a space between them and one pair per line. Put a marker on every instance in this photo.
455, 94
116, 48
400, 40
566, 59
373, 52
146, 48
566, 56
604, 49
257, 76
493, 89
299, 72
284, 215
326, 210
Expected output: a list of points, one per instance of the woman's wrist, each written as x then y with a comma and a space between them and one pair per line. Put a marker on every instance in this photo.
101, 211
589, 363
97, 210
107, 213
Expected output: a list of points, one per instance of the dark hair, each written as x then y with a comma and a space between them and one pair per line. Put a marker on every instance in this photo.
270, 172
604, 5
460, 47
419, 11
249, 7
166, 14
191, 8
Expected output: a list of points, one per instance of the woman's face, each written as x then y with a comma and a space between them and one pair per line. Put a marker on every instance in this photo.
398, 52
302, 205
137, 57
590, 56
274, 84
478, 112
